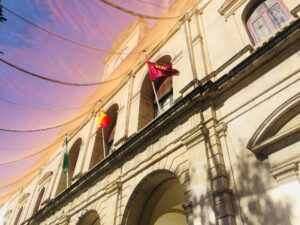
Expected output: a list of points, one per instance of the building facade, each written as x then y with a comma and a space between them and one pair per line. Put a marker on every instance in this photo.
223, 147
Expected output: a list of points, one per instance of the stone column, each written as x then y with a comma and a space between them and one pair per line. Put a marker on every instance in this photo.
188, 208
221, 193
113, 195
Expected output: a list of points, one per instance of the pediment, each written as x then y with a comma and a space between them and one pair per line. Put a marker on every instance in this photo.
280, 129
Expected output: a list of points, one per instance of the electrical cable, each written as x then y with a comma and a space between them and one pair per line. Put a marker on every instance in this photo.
66, 39
58, 81
17, 181
41, 107
42, 129
118, 7
32, 154
157, 5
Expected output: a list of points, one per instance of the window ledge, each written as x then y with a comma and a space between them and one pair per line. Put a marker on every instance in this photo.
274, 34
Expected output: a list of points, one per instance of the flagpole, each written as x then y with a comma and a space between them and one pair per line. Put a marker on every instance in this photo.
153, 87
103, 141
66, 150
102, 129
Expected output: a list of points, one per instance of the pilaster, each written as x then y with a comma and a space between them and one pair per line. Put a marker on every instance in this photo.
220, 190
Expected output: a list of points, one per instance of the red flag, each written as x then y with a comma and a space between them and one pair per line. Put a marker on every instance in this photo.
157, 70
103, 120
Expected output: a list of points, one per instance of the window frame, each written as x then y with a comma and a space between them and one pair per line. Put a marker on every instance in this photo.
266, 16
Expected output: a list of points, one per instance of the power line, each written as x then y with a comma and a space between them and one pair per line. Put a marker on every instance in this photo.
59, 140
118, 7
57, 81
42, 129
66, 39
41, 107
157, 5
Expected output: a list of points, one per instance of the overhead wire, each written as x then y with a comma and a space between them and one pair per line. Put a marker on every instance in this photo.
66, 39
64, 82
41, 107
43, 129
17, 181
60, 139
157, 5
141, 15
75, 84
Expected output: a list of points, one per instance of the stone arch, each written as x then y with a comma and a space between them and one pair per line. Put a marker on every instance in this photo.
38, 201
73, 158
156, 200
98, 151
279, 129
147, 108
91, 217
17, 220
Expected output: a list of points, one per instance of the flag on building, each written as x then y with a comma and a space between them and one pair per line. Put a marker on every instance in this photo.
157, 70
65, 164
103, 120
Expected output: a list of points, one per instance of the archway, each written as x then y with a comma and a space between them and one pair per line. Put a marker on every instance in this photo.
73, 158
163, 86
18, 216
38, 201
156, 200
109, 133
90, 218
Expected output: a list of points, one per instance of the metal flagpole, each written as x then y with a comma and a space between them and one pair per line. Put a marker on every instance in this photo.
104, 149
102, 130
66, 152
153, 87
67, 177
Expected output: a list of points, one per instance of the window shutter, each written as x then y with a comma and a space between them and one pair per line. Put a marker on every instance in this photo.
111, 135
164, 88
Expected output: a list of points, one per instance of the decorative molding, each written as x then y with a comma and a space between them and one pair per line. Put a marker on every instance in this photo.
113, 186
221, 128
263, 139
193, 136
286, 173
267, 146
23, 198
230, 6
45, 178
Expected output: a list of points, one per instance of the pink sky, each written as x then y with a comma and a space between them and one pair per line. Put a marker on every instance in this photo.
93, 24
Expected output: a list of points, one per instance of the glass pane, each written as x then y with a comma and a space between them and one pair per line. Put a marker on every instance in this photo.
258, 12
270, 3
277, 16
261, 28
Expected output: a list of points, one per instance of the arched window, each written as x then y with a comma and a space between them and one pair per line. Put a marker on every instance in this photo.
265, 17
148, 106
73, 158
18, 216
38, 201
164, 90
99, 153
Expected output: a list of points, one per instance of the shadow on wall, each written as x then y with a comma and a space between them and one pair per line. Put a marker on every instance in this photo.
253, 183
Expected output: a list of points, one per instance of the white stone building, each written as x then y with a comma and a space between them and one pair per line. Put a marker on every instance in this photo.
225, 149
